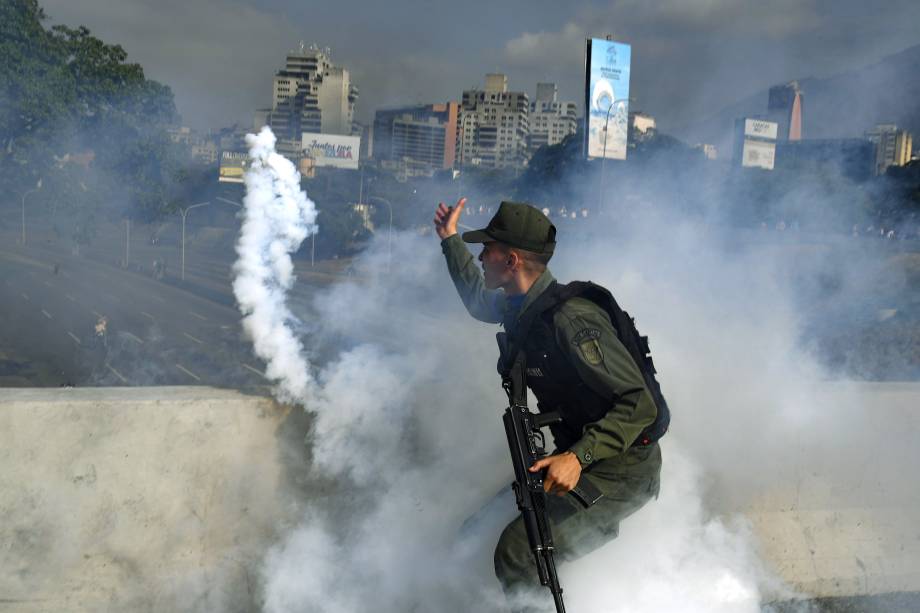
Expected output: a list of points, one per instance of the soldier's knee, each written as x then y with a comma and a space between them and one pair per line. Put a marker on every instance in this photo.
512, 556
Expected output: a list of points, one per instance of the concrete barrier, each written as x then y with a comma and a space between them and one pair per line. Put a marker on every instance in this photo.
136, 499
166, 499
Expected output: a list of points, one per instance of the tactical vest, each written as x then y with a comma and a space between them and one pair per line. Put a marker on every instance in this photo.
554, 380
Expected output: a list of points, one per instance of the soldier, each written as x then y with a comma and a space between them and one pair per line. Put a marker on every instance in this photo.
577, 364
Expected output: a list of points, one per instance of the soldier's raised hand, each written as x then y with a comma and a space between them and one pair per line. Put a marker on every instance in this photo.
445, 218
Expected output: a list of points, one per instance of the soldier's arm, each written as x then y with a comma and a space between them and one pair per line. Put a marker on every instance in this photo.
586, 335
483, 304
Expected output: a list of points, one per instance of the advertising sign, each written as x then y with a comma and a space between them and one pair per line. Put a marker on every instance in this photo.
607, 66
758, 154
332, 149
760, 128
233, 165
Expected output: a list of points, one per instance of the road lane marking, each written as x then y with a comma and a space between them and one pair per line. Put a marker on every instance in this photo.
117, 374
134, 338
261, 374
48, 284
188, 372
71, 334
146, 314
160, 298
24, 296
47, 314
201, 317
193, 338
69, 297
96, 313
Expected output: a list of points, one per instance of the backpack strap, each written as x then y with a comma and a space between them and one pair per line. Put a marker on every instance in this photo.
549, 299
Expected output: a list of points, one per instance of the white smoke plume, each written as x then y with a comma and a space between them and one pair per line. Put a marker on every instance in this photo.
278, 217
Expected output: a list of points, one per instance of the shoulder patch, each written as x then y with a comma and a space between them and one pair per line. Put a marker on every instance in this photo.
591, 351
588, 334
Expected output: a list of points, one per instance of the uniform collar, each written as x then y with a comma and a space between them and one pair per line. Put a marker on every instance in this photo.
539, 286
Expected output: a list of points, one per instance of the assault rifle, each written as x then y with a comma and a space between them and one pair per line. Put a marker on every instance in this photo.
527, 445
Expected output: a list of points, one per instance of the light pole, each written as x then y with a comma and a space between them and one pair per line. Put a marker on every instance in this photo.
38, 186
604, 159
228, 201
613, 103
389, 230
184, 213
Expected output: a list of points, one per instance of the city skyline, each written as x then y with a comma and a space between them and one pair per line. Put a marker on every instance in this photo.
690, 58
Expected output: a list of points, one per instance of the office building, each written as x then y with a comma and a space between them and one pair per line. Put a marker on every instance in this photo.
494, 126
893, 146
421, 136
551, 120
785, 108
310, 94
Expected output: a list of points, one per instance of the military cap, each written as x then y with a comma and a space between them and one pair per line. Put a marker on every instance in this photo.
519, 225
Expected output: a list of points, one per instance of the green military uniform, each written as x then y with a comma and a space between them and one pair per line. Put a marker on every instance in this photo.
625, 472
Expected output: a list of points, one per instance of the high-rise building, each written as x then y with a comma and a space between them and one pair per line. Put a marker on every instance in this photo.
311, 94
892, 146
785, 108
494, 126
424, 136
550, 120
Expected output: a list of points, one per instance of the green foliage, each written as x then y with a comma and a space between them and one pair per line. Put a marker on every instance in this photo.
65, 91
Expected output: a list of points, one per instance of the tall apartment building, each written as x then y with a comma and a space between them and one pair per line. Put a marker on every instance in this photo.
494, 126
892, 146
550, 120
311, 94
785, 107
423, 137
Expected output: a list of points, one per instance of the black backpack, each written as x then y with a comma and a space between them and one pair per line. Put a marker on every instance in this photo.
625, 326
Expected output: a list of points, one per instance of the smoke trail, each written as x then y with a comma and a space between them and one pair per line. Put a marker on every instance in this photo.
278, 217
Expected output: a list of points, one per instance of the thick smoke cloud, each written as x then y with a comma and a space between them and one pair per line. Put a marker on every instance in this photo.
406, 424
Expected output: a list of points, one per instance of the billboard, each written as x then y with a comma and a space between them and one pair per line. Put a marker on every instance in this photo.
759, 128
331, 149
233, 165
606, 98
758, 154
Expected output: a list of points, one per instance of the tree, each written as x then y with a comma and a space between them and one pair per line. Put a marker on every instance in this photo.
64, 91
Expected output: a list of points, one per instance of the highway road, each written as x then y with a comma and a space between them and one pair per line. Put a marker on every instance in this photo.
157, 334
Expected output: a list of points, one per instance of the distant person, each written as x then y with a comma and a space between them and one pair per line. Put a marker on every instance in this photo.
100, 330
611, 407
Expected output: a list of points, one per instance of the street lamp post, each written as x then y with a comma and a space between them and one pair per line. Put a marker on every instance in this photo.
38, 186
613, 103
389, 230
228, 201
184, 214
604, 158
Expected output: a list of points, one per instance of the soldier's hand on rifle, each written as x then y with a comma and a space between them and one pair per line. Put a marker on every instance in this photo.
445, 218
562, 472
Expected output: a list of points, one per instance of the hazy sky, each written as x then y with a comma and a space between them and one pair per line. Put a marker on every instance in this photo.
690, 57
